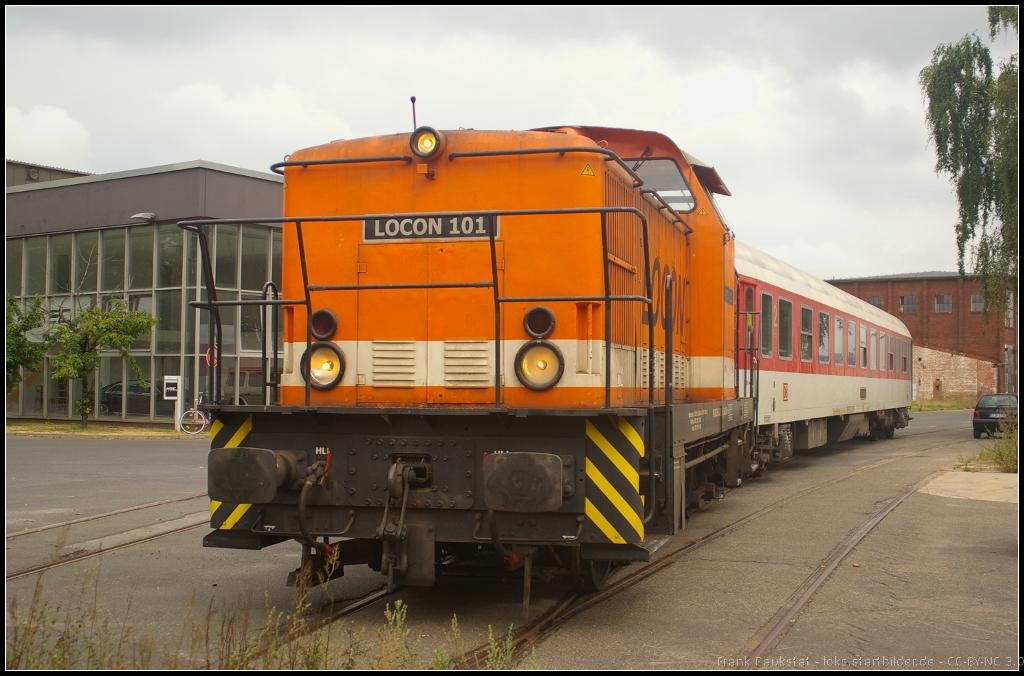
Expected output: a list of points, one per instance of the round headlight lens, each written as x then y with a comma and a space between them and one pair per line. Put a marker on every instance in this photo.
425, 142
324, 323
539, 365
323, 366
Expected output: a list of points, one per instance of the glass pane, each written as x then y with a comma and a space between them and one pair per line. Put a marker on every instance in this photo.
59, 309
863, 347
806, 335
141, 303
766, 325
190, 323
112, 274
169, 253
188, 383
227, 380
56, 396
824, 324
785, 329
109, 395
228, 321
60, 264
33, 386
138, 397
252, 322
83, 303
851, 344
87, 260
14, 253
254, 257
35, 264
227, 256
191, 259
275, 254
140, 273
165, 366
250, 381
168, 329
14, 400
839, 341
664, 177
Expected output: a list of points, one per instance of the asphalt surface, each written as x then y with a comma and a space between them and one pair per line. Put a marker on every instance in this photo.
937, 579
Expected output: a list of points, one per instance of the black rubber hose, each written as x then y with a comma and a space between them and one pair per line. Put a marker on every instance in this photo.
321, 547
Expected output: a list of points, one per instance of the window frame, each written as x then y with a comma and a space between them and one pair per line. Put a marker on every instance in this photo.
944, 304
767, 324
807, 335
789, 356
839, 329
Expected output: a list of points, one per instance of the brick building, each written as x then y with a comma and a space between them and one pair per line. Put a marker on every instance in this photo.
958, 350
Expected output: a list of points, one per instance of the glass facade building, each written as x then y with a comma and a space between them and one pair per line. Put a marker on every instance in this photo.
153, 266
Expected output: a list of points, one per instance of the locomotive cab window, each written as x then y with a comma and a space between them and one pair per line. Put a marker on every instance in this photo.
785, 329
766, 325
824, 324
663, 176
806, 333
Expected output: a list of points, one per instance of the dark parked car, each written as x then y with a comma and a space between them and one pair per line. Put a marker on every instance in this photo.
110, 400
993, 410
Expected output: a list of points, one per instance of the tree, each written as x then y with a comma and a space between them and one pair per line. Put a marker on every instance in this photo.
972, 120
95, 329
22, 351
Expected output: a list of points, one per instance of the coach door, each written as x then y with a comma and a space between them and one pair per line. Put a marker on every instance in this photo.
746, 341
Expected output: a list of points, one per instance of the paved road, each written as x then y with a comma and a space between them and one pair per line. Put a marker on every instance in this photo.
938, 577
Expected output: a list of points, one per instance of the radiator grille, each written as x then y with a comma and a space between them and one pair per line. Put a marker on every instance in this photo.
467, 363
394, 363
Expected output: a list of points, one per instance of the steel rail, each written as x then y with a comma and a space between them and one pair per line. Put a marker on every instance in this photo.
62, 524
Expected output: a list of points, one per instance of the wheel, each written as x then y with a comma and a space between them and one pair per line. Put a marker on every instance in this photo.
977, 433
193, 421
890, 432
596, 574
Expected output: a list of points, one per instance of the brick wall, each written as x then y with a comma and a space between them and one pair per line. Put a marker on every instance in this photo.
943, 373
960, 332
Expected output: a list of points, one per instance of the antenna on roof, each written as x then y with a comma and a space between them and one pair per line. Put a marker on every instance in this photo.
413, 99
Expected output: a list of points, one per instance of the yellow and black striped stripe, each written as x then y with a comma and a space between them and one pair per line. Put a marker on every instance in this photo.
230, 433
613, 501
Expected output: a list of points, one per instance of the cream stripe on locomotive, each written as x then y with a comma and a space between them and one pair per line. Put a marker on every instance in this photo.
613, 505
470, 364
230, 433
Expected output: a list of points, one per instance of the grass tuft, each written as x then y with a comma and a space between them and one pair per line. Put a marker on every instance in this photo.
1003, 453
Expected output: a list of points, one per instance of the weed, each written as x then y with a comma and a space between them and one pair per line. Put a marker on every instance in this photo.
1003, 453
950, 403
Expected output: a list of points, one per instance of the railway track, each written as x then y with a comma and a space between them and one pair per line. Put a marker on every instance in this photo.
538, 629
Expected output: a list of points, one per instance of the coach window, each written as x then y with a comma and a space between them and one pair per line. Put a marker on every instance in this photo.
785, 329
892, 353
663, 176
824, 324
766, 325
881, 351
806, 333
838, 346
906, 355
851, 344
873, 345
863, 346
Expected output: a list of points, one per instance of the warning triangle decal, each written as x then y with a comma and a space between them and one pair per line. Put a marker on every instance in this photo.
702, 212
587, 171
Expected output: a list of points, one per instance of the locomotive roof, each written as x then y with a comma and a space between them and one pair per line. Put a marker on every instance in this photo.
759, 265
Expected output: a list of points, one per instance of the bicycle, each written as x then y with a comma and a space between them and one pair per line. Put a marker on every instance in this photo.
194, 421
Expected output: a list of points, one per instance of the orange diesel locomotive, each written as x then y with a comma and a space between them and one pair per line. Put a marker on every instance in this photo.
496, 344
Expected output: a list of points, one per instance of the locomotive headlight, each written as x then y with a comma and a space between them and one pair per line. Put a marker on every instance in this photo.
539, 365
425, 142
324, 323
323, 366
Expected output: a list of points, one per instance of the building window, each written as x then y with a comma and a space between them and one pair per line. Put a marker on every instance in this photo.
766, 325
874, 300
944, 303
1008, 317
785, 329
806, 333
977, 302
908, 305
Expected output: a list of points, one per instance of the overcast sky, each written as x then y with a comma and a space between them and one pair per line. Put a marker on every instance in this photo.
813, 117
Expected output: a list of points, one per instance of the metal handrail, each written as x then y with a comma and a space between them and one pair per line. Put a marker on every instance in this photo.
214, 305
609, 156
338, 160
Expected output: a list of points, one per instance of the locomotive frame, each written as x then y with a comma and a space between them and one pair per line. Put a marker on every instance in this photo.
411, 488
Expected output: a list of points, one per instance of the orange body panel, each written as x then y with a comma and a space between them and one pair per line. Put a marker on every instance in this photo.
546, 255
